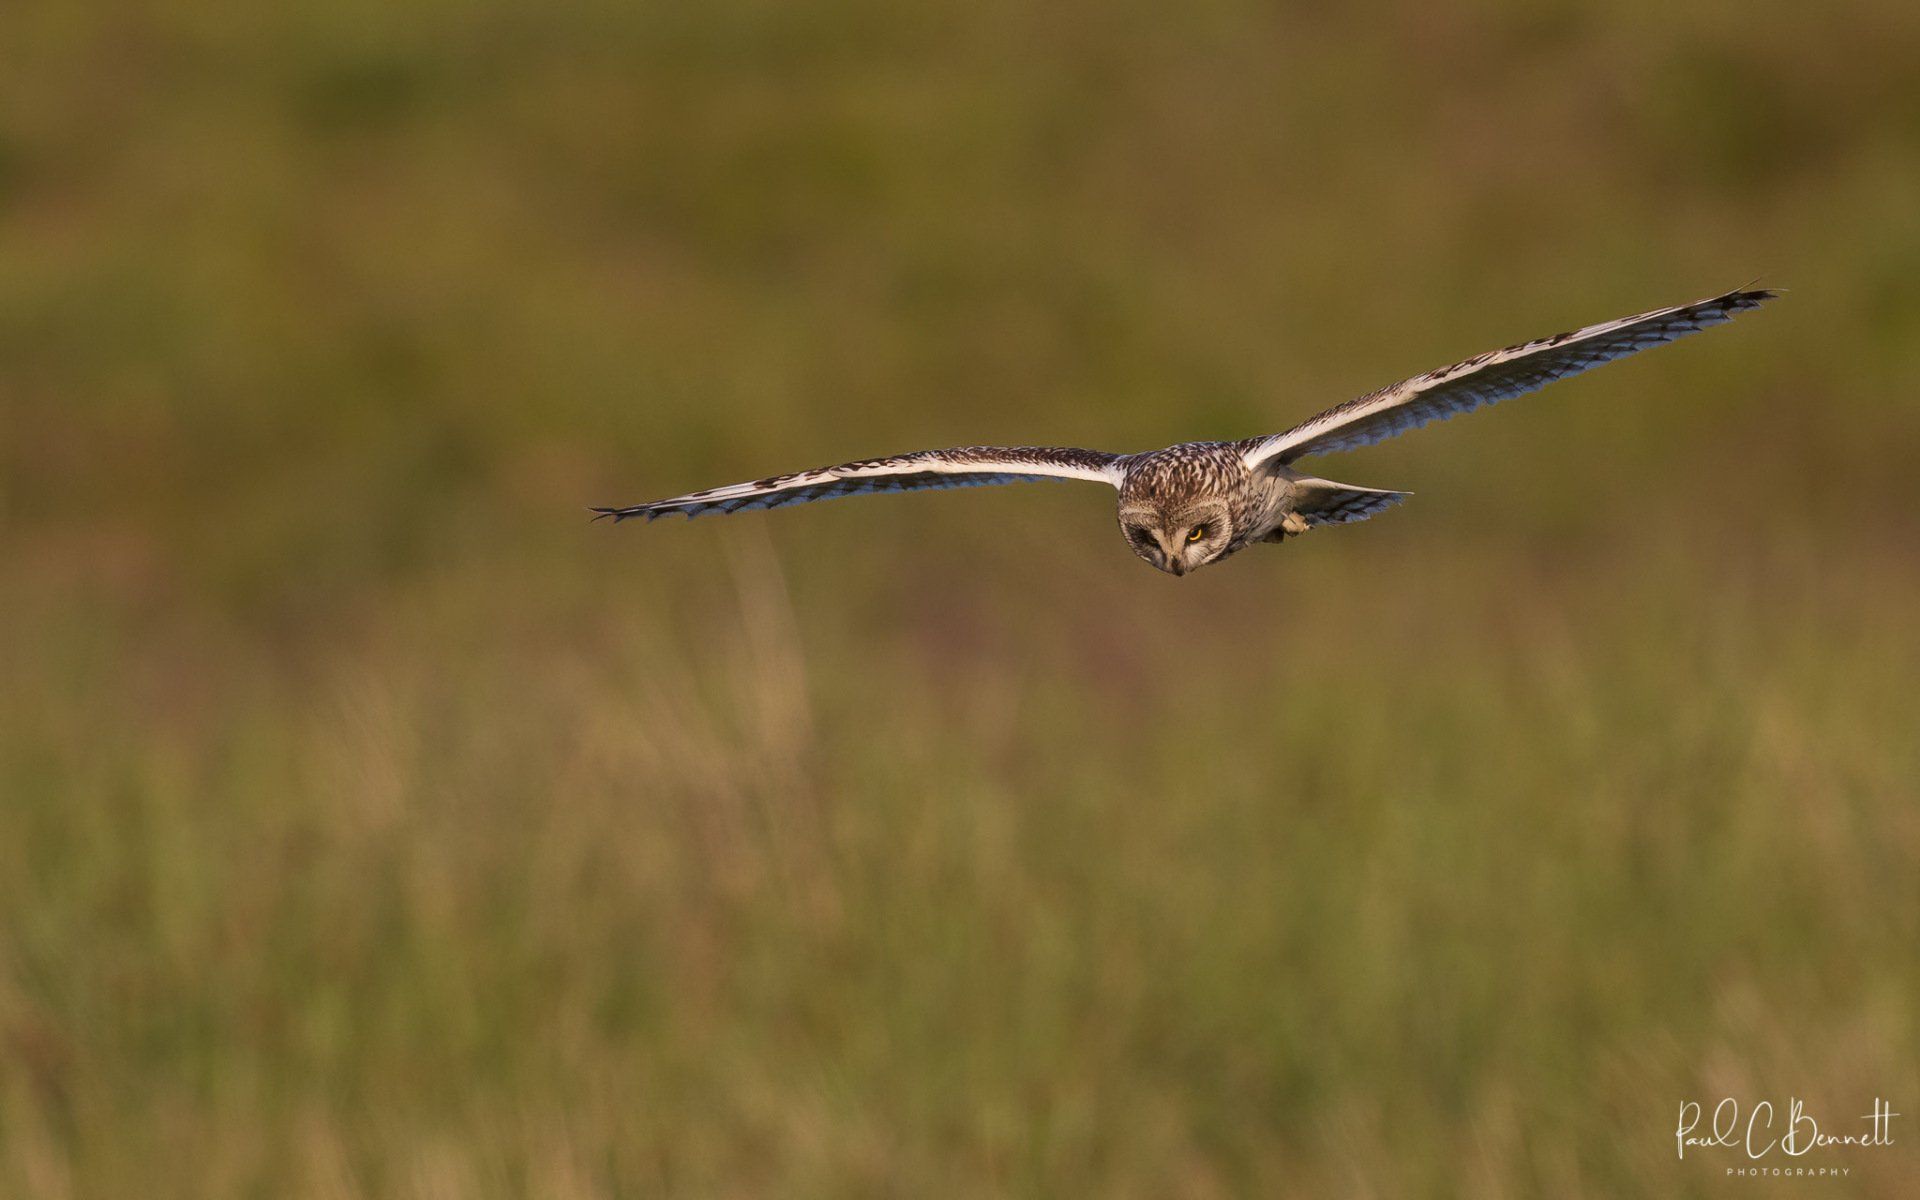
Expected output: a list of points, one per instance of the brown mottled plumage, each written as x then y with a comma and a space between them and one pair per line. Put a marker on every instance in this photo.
1196, 503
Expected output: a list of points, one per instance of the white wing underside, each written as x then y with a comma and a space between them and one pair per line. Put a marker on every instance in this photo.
965, 466
1494, 376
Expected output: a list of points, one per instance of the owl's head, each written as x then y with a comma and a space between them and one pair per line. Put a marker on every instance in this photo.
1178, 539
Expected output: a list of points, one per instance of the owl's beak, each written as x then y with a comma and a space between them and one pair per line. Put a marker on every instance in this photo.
1177, 566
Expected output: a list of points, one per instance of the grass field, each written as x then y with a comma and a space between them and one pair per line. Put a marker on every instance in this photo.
373, 825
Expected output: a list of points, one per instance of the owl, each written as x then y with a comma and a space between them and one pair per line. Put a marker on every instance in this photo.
1187, 506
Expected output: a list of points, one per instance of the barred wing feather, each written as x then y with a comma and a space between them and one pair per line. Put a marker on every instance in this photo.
1494, 376
965, 466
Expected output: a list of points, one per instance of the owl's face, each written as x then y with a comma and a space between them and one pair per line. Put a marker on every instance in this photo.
1178, 540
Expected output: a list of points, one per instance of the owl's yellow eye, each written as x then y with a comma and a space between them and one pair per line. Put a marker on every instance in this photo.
1197, 533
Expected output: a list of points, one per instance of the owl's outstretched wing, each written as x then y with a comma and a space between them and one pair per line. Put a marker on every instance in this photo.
1496, 375
965, 466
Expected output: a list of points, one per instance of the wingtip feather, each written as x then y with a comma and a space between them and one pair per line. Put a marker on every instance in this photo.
1741, 299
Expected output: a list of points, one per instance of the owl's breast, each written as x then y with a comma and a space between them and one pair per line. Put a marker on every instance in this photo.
1259, 505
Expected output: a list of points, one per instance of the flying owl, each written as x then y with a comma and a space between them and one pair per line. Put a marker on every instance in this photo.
1196, 503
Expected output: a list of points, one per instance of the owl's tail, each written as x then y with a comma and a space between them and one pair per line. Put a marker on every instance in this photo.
1323, 502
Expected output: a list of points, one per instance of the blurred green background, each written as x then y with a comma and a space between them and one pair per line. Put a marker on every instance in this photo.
373, 825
